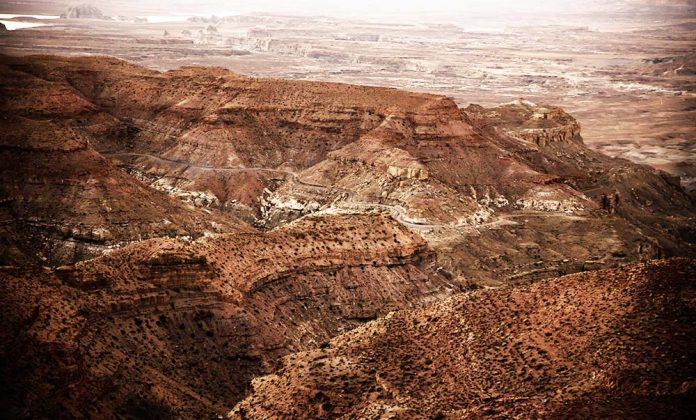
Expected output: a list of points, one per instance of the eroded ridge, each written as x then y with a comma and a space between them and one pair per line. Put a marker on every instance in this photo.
170, 327
503, 194
601, 344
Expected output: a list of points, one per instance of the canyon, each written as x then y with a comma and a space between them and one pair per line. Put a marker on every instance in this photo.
196, 242
228, 152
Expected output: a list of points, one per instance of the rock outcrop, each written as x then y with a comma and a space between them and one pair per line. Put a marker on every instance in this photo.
613, 343
541, 125
364, 200
83, 11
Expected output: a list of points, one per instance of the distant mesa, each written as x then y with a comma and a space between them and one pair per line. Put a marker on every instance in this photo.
83, 11
659, 60
134, 19
201, 19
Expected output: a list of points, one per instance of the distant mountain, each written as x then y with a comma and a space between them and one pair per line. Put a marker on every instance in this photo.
83, 11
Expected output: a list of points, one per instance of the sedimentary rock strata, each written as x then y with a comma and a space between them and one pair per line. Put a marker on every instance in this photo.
168, 327
270, 151
168, 237
63, 202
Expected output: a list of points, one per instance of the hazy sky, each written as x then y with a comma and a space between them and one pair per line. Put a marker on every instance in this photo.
365, 9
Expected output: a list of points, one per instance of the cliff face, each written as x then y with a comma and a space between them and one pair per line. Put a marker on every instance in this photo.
585, 345
540, 125
179, 328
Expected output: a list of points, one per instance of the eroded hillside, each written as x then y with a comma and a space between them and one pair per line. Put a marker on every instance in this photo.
168, 237
606, 344
503, 194
169, 327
